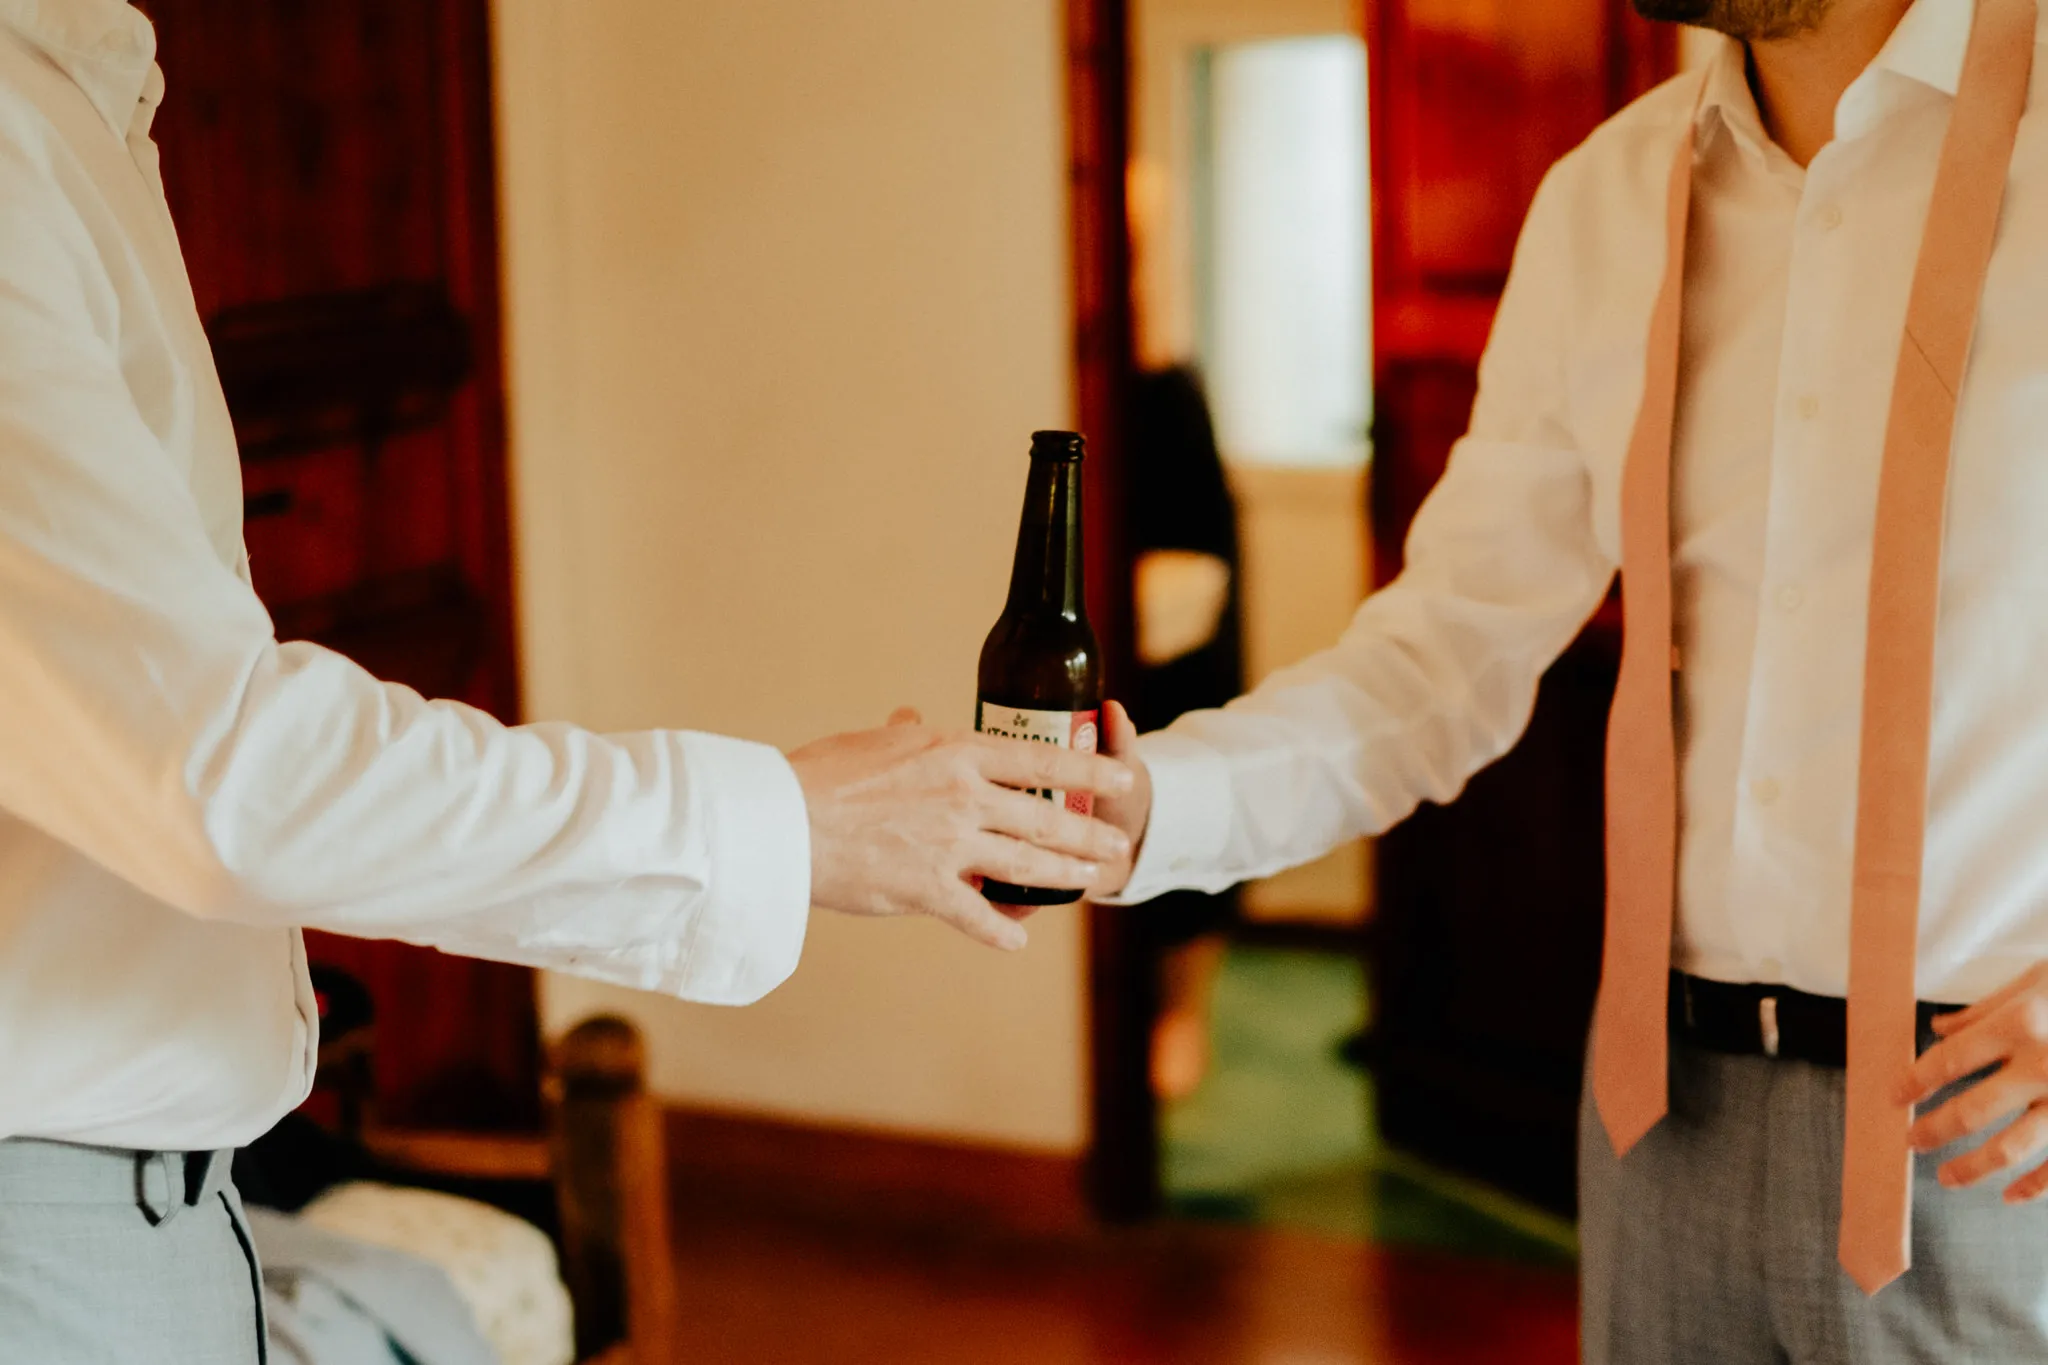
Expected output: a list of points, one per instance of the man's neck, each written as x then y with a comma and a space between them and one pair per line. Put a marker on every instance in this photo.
1798, 81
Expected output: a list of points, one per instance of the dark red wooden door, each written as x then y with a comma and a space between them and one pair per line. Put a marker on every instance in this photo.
1487, 936
1472, 101
329, 168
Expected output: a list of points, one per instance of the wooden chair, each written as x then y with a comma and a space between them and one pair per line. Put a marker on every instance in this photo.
603, 1152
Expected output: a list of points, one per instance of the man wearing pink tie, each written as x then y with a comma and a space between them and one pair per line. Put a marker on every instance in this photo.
1773, 348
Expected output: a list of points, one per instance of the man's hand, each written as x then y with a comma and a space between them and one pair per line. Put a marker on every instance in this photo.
905, 820
2008, 1030
1130, 812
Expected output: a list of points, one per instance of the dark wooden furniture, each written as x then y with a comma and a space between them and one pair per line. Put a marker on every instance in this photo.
1486, 945
329, 167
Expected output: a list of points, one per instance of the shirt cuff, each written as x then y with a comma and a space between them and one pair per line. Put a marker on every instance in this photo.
750, 926
1190, 824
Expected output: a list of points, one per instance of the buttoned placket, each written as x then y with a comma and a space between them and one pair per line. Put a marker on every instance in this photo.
1805, 663
1761, 791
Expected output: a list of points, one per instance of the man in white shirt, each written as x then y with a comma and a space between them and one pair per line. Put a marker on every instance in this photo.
179, 792
1817, 129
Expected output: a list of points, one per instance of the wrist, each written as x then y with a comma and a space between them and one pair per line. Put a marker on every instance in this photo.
1179, 831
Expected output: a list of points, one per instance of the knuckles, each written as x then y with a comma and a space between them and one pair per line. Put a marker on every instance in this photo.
1978, 1110
1045, 769
963, 782
2033, 1017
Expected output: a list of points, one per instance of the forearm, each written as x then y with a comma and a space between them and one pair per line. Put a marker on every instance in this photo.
152, 722
1434, 679
1437, 674
308, 793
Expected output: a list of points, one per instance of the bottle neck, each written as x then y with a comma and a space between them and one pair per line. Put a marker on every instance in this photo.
1046, 577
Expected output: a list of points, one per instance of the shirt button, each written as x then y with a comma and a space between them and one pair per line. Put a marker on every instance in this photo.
1809, 407
1831, 217
1766, 791
1790, 598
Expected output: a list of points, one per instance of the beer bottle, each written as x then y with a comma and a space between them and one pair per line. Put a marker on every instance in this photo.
1041, 669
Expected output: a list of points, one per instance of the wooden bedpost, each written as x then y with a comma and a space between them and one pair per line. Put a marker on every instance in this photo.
611, 1170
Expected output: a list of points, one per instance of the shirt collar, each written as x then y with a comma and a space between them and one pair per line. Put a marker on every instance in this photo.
1929, 43
1726, 100
107, 47
1927, 47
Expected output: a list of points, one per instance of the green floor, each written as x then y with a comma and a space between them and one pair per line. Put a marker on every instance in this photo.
1281, 1133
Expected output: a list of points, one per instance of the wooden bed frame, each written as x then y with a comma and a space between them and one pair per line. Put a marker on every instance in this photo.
603, 1152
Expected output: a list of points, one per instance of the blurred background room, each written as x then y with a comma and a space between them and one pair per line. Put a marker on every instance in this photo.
565, 337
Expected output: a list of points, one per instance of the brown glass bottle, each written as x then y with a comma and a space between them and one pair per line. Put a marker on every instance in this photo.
1041, 669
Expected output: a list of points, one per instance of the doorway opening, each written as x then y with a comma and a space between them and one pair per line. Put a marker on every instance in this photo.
1251, 217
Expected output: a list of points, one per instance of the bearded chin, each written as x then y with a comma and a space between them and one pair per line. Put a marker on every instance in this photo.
1749, 20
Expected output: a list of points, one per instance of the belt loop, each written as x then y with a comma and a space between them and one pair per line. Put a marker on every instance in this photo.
157, 1194
1767, 1021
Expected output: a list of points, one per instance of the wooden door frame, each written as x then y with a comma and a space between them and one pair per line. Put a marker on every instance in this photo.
1122, 1169
1123, 1161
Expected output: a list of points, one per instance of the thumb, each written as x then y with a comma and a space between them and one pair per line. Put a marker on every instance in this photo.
1119, 736
906, 715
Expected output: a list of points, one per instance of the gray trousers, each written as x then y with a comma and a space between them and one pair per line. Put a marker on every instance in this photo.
124, 1258
1714, 1239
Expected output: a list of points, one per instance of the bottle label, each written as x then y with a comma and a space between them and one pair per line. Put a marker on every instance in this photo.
1076, 730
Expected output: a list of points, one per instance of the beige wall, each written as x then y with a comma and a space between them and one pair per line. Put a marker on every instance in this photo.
786, 290
1304, 543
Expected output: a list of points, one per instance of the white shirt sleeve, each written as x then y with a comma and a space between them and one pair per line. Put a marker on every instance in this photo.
1437, 673
149, 719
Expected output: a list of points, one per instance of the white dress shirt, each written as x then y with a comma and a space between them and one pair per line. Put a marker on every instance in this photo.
1795, 299
178, 791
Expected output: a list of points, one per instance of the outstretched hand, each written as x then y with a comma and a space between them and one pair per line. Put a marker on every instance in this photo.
1130, 811
906, 820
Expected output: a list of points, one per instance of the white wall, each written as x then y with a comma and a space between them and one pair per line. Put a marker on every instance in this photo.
1289, 350
786, 291
1165, 36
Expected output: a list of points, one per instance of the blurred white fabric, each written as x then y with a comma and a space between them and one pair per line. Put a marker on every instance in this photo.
503, 1267
335, 1300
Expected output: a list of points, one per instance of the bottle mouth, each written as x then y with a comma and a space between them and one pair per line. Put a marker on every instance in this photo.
1058, 445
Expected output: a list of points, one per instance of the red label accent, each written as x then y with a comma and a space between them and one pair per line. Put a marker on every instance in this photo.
1086, 733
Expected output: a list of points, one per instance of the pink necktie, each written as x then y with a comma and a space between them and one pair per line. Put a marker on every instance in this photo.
1630, 1086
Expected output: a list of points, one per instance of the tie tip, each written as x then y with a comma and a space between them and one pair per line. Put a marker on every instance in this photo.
1627, 1125
1873, 1273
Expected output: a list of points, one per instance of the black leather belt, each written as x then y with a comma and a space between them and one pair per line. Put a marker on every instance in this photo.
1755, 1020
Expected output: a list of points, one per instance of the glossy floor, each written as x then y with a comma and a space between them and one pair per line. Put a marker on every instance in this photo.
1281, 1133
759, 1288
1299, 1240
